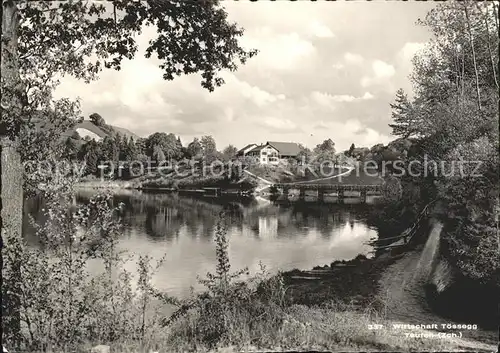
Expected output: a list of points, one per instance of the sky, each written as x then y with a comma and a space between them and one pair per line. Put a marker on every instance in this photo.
324, 70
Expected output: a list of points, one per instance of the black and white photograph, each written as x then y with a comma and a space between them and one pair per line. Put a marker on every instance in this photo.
228, 176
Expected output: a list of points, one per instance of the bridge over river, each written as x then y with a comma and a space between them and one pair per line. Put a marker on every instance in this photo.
341, 191
353, 183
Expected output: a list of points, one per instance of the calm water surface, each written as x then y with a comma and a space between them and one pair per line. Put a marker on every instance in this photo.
281, 237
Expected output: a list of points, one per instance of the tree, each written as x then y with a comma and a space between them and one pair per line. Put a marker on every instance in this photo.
75, 135
229, 152
351, 150
70, 148
168, 143
91, 153
97, 120
405, 122
141, 146
110, 149
42, 39
209, 148
158, 154
455, 86
325, 151
305, 155
131, 150
195, 148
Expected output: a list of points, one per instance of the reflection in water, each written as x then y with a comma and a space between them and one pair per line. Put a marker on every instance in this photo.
282, 237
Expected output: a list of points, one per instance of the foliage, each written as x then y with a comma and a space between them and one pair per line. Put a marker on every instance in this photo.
62, 306
391, 190
351, 150
229, 302
47, 39
454, 118
97, 120
305, 155
405, 121
209, 149
325, 151
229, 152
168, 144
195, 149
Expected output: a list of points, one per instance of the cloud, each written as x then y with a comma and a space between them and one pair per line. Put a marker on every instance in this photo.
302, 86
381, 72
283, 125
278, 51
382, 69
368, 95
320, 30
327, 99
353, 131
353, 58
409, 50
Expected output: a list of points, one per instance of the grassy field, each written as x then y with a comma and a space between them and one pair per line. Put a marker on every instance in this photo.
326, 175
302, 328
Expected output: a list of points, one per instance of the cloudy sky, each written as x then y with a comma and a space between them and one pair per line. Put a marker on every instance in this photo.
325, 70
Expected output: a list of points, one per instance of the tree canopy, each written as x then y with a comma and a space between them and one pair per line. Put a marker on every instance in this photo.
453, 116
44, 40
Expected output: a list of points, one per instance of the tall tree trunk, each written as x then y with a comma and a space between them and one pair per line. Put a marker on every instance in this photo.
471, 41
11, 192
488, 37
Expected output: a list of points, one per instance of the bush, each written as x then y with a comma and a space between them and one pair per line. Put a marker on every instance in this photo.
50, 292
230, 311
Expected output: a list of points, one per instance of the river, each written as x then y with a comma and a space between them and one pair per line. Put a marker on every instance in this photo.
181, 229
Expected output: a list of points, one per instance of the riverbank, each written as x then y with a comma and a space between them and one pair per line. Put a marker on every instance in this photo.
187, 185
107, 184
352, 282
306, 329
385, 290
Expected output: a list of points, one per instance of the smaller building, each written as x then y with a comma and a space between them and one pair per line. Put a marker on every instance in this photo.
243, 152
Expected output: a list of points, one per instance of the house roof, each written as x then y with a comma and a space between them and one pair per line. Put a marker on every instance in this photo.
285, 148
246, 147
257, 148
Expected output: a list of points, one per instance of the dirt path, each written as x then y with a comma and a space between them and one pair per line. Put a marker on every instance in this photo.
401, 289
265, 184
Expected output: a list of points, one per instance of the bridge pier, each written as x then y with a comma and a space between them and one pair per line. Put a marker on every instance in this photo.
340, 193
286, 191
363, 195
302, 194
321, 195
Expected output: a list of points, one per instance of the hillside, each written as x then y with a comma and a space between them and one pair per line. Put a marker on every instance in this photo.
99, 131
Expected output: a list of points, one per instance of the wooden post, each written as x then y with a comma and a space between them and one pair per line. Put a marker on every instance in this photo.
321, 195
286, 190
363, 195
302, 194
340, 193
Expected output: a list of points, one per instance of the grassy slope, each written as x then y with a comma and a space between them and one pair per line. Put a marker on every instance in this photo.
305, 329
87, 124
282, 174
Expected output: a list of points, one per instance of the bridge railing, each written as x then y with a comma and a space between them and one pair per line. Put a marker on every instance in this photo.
374, 187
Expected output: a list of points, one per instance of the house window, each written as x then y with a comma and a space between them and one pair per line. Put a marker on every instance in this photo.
264, 153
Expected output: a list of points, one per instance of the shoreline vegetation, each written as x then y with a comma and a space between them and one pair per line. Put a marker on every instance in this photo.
246, 183
51, 302
330, 307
